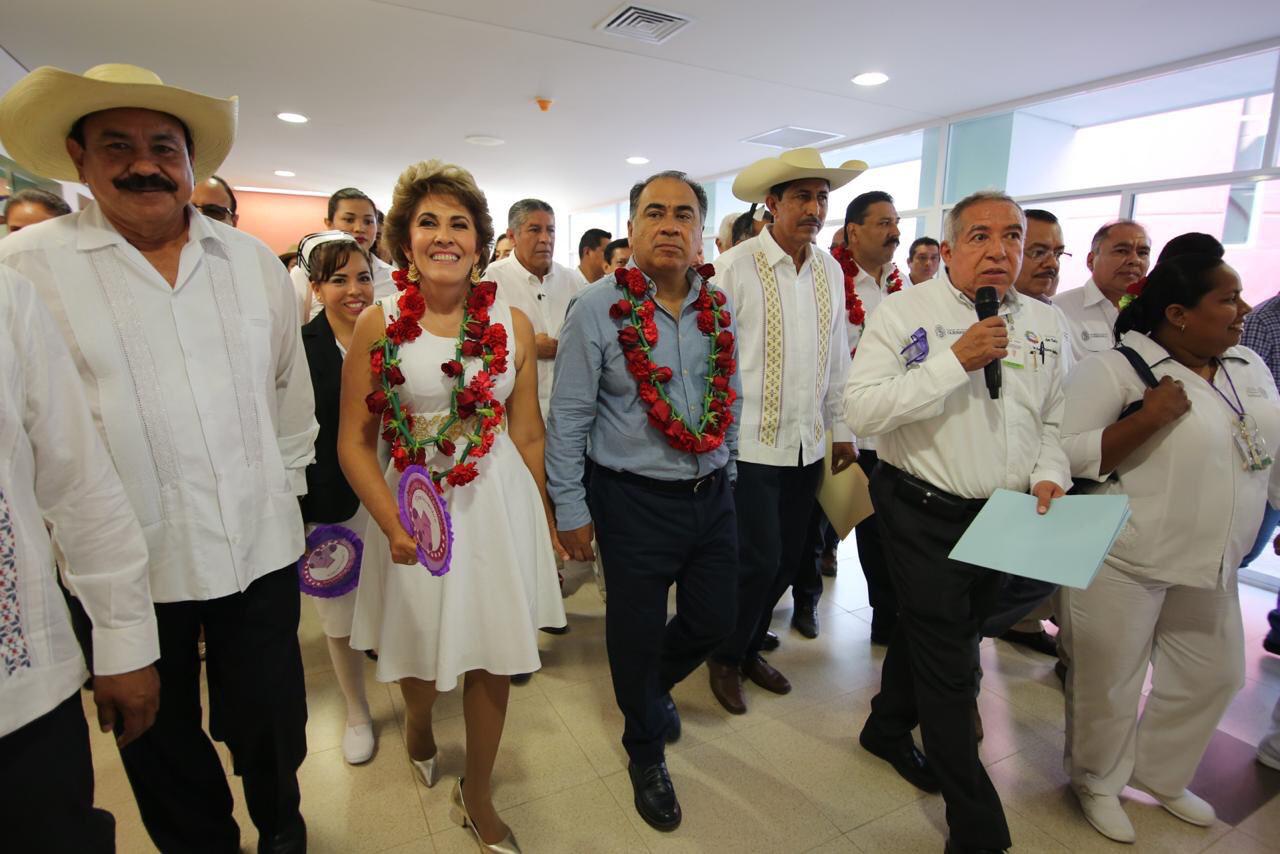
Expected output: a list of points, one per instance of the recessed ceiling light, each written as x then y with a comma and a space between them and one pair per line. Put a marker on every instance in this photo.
871, 78
485, 139
285, 173
292, 118
637, 160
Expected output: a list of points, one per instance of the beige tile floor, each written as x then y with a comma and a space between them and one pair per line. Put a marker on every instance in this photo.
786, 777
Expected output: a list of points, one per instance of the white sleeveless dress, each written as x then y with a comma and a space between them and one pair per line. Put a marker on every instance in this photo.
502, 585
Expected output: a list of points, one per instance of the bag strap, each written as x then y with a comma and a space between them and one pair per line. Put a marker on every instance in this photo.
1139, 365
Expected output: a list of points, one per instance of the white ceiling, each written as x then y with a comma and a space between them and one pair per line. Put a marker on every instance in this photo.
388, 83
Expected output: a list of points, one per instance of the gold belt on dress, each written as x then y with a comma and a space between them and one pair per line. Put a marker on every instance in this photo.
425, 427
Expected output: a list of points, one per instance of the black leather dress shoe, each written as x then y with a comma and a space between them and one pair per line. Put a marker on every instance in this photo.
292, 841
828, 565
771, 642
521, 678
655, 796
906, 759
955, 848
805, 619
1039, 641
556, 630
673, 719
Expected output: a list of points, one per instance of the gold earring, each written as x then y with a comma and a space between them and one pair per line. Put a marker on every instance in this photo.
475, 274
412, 273
1182, 328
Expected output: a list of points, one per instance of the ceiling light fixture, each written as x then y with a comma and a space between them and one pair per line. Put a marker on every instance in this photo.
870, 78
285, 173
484, 139
292, 118
636, 160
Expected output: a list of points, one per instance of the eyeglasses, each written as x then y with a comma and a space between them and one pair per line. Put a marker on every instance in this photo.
217, 212
1040, 253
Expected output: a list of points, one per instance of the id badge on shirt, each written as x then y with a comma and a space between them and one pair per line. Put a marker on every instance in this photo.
1251, 445
1015, 355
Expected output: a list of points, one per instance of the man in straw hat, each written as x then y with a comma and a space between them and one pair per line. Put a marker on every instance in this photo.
794, 356
185, 335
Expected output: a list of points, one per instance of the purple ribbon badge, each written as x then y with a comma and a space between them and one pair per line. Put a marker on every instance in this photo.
426, 518
330, 566
917, 349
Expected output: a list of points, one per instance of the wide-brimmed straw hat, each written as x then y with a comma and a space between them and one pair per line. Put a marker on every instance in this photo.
753, 183
38, 112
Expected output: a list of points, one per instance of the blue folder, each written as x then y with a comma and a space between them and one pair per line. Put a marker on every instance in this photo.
1065, 546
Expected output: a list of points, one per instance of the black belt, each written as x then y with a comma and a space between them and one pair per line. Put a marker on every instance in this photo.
673, 487
928, 497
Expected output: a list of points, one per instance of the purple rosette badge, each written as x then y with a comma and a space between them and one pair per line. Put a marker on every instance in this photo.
330, 566
424, 515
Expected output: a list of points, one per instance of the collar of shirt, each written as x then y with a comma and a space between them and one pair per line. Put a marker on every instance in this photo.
775, 254
1093, 294
1011, 304
695, 286
1153, 353
95, 231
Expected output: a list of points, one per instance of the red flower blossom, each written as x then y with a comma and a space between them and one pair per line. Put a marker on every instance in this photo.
462, 474
451, 368
446, 447
662, 375
706, 322
620, 309
719, 297
395, 376
472, 348
648, 393
629, 336
411, 302
377, 401
724, 340
375, 361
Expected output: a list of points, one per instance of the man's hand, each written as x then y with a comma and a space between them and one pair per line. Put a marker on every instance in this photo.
843, 455
982, 343
131, 699
1045, 491
578, 542
1165, 403
546, 345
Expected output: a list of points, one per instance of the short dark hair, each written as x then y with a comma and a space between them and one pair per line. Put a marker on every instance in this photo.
328, 258
1180, 280
348, 193
918, 242
77, 130
857, 210
230, 195
55, 205
613, 246
1191, 243
591, 240
699, 193
1101, 234
1040, 215
743, 226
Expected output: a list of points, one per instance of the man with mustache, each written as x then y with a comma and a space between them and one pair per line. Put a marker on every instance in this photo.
185, 335
794, 355
1119, 255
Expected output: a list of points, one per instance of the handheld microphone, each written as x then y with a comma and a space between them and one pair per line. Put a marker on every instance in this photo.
988, 305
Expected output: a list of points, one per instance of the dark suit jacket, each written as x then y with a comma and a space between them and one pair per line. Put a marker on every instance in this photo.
329, 497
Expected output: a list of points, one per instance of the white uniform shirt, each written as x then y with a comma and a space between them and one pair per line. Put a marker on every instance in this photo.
871, 293
1196, 510
309, 306
1092, 318
934, 420
53, 467
793, 351
201, 391
544, 302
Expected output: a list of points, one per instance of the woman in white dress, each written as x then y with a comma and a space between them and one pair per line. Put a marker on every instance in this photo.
457, 358
342, 284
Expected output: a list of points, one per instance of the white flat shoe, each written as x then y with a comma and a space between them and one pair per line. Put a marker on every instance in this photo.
357, 744
1106, 815
1189, 807
428, 769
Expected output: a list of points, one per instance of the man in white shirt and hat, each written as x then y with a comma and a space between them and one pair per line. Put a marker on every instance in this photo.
185, 335
1119, 255
946, 443
793, 357
531, 280
55, 471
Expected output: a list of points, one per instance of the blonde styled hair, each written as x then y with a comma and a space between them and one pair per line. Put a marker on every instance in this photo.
428, 178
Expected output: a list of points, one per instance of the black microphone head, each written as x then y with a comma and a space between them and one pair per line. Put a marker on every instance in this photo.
986, 302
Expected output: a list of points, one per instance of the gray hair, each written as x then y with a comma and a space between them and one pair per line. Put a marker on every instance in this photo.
1101, 234
951, 227
698, 192
725, 234
520, 211
55, 205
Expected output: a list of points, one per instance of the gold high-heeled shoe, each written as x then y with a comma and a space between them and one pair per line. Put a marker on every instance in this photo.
458, 812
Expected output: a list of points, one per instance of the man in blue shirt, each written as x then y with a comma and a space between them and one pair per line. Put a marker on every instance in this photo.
660, 503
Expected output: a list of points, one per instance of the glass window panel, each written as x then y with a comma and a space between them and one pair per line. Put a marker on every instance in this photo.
605, 217
902, 166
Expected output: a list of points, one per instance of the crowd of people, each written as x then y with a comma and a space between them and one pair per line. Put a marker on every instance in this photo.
199, 429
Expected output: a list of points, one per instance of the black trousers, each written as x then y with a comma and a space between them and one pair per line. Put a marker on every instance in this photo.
47, 803
773, 504
875, 564
1019, 597
650, 539
928, 675
257, 705
821, 538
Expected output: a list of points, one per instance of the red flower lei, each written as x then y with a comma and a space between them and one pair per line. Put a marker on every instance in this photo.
852, 302
477, 338
639, 335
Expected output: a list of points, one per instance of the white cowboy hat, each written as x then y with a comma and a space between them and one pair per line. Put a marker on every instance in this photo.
753, 183
37, 114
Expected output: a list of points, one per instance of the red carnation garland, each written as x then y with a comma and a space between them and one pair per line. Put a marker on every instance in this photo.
638, 336
852, 302
470, 400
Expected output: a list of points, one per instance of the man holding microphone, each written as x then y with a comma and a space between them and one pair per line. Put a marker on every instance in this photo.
950, 434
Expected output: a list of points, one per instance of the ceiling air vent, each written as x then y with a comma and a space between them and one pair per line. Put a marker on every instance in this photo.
792, 137
647, 25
